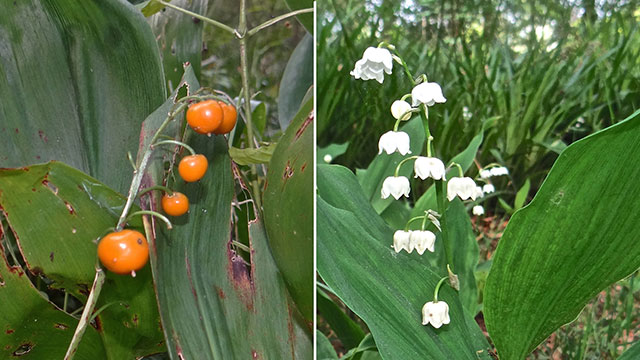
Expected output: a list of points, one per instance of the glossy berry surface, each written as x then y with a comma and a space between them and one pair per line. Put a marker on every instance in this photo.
205, 117
175, 204
193, 167
230, 115
124, 251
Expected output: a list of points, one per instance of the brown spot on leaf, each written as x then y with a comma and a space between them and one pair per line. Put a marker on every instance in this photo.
50, 186
17, 131
304, 125
60, 326
288, 172
221, 294
23, 349
10, 331
240, 278
51, 256
304, 166
135, 320
43, 137
72, 211
254, 354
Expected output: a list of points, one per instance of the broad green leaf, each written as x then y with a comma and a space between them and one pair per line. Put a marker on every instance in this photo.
574, 239
324, 348
213, 305
333, 151
73, 211
261, 155
84, 101
297, 78
384, 165
465, 159
305, 19
179, 38
288, 208
349, 333
385, 289
631, 353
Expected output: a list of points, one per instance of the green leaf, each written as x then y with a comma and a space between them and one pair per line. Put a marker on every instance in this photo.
288, 208
297, 78
631, 353
384, 165
62, 247
179, 38
305, 19
84, 102
259, 117
333, 150
385, 289
349, 333
465, 159
213, 305
261, 155
579, 226
366, 345
325, 350
521, 196
151, 7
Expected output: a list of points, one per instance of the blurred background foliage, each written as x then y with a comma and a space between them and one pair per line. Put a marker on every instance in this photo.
544, 74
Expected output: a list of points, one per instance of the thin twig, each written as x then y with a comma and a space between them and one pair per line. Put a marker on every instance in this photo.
87, 313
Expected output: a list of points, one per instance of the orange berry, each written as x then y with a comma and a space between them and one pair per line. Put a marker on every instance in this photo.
176, 204
124, 251
193, 167
204, 117
230, 115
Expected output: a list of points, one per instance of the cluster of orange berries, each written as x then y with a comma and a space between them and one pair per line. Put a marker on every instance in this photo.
124, 252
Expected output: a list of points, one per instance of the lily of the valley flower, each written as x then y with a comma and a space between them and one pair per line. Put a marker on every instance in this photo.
392, 141
422, 240
374, 63
399, 108
478, 210
427, 93
426, 167
478, 193
463, 187
435, 313
401, 241
499, 171
396, 186
485, 174
488, 188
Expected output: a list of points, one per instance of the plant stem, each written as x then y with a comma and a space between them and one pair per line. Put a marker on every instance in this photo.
200, 17
276, 19
242, 28
421, 217
402, 162
85, 318
435, 292
176, 142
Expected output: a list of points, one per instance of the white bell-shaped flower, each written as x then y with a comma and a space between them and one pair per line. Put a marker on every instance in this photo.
426, 167
499, 171
485, 174
427, 93
478, 210
374, 63
392, 141
399, 108
488, 188
435, 313
478, 193
463, 187
396, 186
422, 240
401, 240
